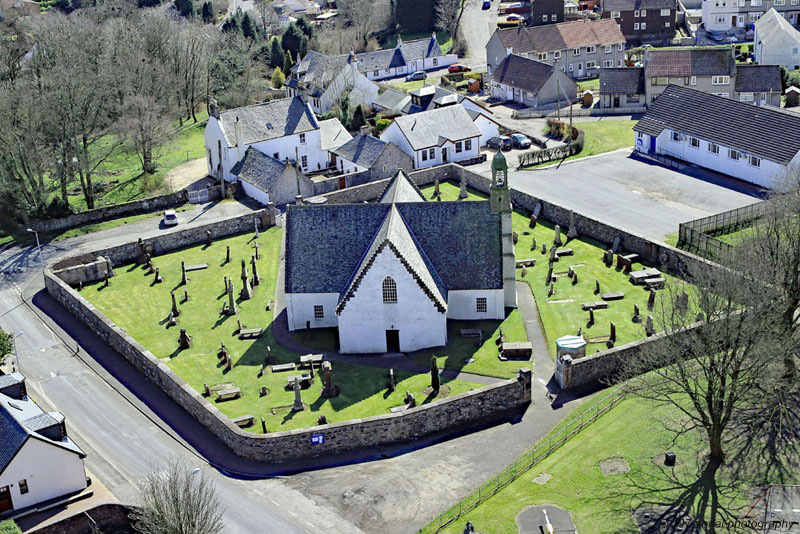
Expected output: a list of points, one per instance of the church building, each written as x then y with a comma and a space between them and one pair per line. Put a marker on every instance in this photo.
390, 274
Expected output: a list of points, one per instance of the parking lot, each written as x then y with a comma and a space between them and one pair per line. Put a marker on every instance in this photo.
637, 196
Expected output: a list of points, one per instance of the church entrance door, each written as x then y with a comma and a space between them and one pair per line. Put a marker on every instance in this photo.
393, 341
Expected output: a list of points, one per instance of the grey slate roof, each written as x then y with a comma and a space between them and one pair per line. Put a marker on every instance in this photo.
270, 120
430, 97
317, 69
689, 62
727, 122
561, 36
41, 421
12, 437
522, 73
758, 79
419, 48
622, 81
380, 59
632, 5
362, 150
325, 244
392, 99
332, 134
401, 189
259, 169
11, 379
431, 128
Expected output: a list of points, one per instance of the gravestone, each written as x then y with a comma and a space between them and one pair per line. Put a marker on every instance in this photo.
263, 392
256, 278
553, 253
524, 271
232, 309
322, 420
185, 296
575, 279
533, 244
591, 316
208, 238
260, 371
223, 352
409, 399
105, 279
651, 300
636, 317
596, 287
206, 390
551, 290
608, 259
227, 253
247, 291
149, 261
329, 390
649, 330
573, 231
255, 246
439, 198
158, 278
570, 272
436, 188
255, 225
183, 273
184, 340
142, 252
239, 324
462, 192
682, 302
613, 334
548, 279
557, 239
171, 320
298, 401
537, 209
228, 362
532, 222
392, 380
514, 237
80, 285
175, 311
263, 426
544, 248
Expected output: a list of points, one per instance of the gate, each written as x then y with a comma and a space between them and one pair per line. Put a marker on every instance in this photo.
199, 196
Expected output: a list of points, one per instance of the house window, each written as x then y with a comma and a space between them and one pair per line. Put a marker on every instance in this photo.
660, 81
376, 73
754, 16
304, 161
746, 97
576, 51
424, 155
794, 51
315, 101
635, 25
720, 19
780, 2
619, 63
676, 137
591, 49
557, 54
609, 48
620, 47
636, 13
615, 14
633, 99
643, 13
644, 25
543, 57
608, 63
666, 24
319, 311
480, 305
435, 61
386, 71
755, 162
468, 145
570, 68
591, 64
302, 138
665, 12
389, 290
720, 80
723, 95
23, 487
458, 146
544, 18
694, 142
733, 154
431, 154
713, 148
692, 80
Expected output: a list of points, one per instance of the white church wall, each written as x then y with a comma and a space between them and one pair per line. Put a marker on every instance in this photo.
300, 310
462, 304
365, 319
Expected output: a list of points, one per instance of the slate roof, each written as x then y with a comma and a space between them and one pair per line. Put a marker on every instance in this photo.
772, 26
12, 437
332, 134
727, 122
11, 379
758, 79
632, 5
42, 421
689, 62
259, 169
522, 73
622, 81
362, 150
432, 128
326, 244
380, 59
431, 97
393, 100
561, 36
317, 69
401, 189
270, 120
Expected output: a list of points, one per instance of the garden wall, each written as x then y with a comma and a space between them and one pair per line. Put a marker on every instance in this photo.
105, 517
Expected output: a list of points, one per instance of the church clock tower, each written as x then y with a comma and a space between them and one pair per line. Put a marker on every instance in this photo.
500, 200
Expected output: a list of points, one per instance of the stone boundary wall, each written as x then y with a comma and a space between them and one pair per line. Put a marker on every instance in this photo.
116, 211
103, 516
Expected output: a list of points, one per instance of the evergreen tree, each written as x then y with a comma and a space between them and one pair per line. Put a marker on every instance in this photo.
278, 78
435, 384
207, 13
292, 39
231, 25
359, 119
248, 28
185, 7
305, 27
303, 47
288, 63
276, 55
344, 111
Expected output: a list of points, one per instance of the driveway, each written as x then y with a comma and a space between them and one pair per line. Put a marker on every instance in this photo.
637, 196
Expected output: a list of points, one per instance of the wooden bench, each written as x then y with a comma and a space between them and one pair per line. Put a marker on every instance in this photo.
228, 394
655, 283
250, 333
243, 421
617, 295
471, 332
638, 277
518, 349
198, 267
599, 305
284, 367
310, 359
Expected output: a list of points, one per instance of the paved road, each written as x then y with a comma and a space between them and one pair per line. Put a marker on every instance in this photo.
477, 26
640, 197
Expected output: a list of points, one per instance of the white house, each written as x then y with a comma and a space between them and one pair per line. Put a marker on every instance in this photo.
38, 461
450, 133
721, 134
405, 58
736, 16
285, 128
776, 41
389, 275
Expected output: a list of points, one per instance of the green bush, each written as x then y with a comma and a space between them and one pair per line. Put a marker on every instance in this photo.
381, 124
9, 527
278, 78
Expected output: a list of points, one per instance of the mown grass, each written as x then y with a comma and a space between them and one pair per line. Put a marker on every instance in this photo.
139, 306
600, 137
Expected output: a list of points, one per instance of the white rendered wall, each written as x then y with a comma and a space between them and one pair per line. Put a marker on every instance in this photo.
253, 192
49, 470
487, 127
462, 304
300, 309
393, 134
452, 155
365, 319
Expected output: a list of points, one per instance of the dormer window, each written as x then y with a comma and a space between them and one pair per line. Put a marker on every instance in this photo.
389, 290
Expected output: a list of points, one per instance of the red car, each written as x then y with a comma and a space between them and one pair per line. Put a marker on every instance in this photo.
458, 67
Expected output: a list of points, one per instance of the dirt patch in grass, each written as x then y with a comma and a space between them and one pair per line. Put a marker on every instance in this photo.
444, 391
542, 478
615, 465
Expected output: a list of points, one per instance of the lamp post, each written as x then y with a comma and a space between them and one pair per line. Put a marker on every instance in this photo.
16, 354
38, 249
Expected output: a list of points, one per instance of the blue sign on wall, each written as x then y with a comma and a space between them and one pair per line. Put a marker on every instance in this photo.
317, 439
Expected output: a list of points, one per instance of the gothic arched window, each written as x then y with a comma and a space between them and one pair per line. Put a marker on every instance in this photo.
389, 290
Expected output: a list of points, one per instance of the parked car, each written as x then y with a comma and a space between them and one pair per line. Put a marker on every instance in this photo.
512, 18
414, 76
458, 67
716, 36
170, 218
520, 141
487, 4
503, 143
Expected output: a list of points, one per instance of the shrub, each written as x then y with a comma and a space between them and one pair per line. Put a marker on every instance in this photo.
278, 78
9, 527
381, 124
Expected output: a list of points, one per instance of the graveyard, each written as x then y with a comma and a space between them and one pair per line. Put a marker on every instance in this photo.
251, 375
581, 278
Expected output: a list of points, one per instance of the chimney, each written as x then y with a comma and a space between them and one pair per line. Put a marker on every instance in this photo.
213, 110
364, 130
237, 127
509, 51
298, 200
399, 41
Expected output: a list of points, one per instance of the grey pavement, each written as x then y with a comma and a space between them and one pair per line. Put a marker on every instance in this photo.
477, 26
532, 520
635, 195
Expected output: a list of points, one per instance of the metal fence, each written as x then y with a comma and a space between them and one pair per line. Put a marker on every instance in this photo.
542, 450
698, 235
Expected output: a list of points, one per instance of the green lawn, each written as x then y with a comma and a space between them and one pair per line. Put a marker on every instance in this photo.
561, 314
593, 84
411, 86
600, 137
141, 308
602, 504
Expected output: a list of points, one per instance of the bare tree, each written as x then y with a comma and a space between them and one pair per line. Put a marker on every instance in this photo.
448, 16
335, 38
364, 16
269, 17
178, 500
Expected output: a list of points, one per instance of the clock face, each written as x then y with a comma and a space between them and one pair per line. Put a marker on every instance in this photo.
500, 177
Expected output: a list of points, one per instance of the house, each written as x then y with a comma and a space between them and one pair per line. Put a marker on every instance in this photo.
325, 80
531, 83
332, 134
547, 12
707, 130
440, 135
285, 128
736, 17
622, 88
38, 461
406, 57
576, 48
391, 102
712, 70
365, 153
776, 41
267, 179
643, 21
389, 275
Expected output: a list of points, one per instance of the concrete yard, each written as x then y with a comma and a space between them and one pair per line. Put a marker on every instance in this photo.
637, 196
